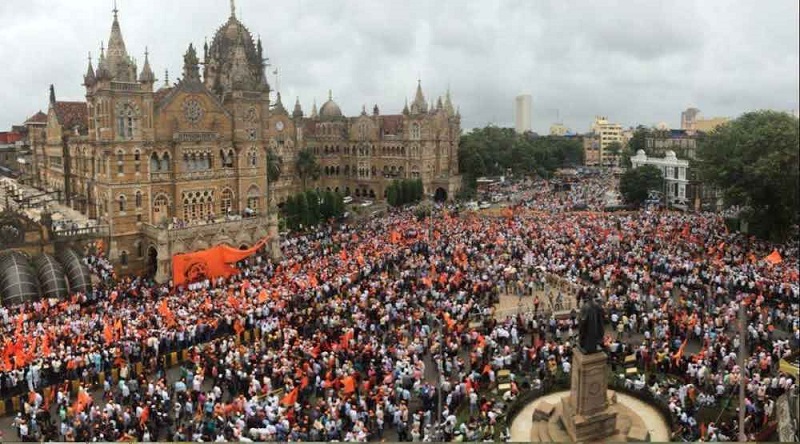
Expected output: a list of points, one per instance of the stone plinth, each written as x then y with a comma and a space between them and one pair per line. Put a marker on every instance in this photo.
585, 412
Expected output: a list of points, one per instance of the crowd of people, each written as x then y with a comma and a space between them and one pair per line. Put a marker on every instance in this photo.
366, 330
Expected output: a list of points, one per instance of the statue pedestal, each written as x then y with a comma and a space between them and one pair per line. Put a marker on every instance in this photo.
585, 412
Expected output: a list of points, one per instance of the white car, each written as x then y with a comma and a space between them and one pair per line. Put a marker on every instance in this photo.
484, 205
347, 199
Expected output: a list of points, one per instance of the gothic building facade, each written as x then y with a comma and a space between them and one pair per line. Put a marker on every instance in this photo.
182, 167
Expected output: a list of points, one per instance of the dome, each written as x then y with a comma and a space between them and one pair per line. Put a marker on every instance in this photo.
234, 61
330, 109
227, 39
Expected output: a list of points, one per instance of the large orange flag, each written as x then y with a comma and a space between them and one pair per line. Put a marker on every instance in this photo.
774, 258
291, 398
349, 385
211, 263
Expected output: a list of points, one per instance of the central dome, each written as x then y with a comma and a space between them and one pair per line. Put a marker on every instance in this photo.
330, 109
234, 61
228, 37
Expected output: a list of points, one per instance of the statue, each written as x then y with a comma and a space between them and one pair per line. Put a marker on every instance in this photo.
590, 327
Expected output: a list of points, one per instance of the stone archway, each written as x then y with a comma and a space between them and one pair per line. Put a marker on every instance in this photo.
440, 195
152, 261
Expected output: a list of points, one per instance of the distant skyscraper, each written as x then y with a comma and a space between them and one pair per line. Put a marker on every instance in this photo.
522, 113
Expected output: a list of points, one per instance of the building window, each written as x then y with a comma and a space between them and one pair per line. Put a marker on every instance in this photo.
138, 199
226, 201
161, 206
123, 258
126, 121
155, 165
139, 250
120, 162
415, 131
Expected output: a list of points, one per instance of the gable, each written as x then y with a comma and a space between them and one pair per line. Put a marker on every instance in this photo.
191, 110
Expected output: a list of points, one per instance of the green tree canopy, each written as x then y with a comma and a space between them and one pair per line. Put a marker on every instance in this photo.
754, 161
636, 184
493, 151
307, 166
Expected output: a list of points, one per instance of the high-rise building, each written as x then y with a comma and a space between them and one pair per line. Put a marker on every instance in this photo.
608, 133
522, 113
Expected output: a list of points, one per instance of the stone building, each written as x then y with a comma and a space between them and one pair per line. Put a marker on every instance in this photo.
182, 167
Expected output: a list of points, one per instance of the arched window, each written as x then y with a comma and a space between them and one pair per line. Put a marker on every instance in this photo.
160, 207
186, 208
137, 161
226, 201
155, 165
126, 121
415, 131
165, 162
138, 199
253, 194
120, 162
121, 202
374, 171
139, 250
252, 157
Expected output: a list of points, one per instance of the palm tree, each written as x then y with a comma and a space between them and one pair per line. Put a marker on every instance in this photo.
307, 166
274, 169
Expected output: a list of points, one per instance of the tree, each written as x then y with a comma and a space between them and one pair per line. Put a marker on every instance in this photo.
314, 213
638, 142
614, 149
392, 197
754, 160
636, 184
291, 213
307, 166
274, 169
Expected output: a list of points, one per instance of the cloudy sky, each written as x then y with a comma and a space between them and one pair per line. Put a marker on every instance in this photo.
632, 61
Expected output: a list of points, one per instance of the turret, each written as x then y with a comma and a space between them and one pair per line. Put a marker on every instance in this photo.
279, 109
147, 77
89, 79
298, 111
419, 105
314, 113
191, 70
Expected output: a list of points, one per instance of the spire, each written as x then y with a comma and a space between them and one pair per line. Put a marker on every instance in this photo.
419, 105
375, 110
102, 65
314, 114
439, 103
448, 105
233, 9
52, 94
298, 111
191, 71
89, 79
119, 65
364, 110
279, 109
147, 75
405, 108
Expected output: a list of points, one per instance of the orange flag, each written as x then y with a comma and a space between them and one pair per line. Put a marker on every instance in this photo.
263, 296
349, 384
290, 398
774, 258
108, 333
343, 254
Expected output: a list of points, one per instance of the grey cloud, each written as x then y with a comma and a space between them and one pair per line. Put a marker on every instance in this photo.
633, 61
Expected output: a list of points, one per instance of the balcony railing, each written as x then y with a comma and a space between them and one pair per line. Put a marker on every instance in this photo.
76, 233
178, 231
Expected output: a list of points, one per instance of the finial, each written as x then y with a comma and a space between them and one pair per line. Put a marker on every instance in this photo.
233, 9
330, 95
115, 10
102, 50
90, 56
146, 53
166, 78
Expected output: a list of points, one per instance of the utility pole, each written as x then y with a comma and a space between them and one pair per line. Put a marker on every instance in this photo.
742, 434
